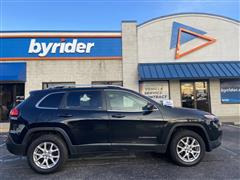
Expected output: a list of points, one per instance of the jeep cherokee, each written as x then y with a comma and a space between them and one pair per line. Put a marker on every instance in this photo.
54, 124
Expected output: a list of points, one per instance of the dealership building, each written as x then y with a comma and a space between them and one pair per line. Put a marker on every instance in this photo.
192, 59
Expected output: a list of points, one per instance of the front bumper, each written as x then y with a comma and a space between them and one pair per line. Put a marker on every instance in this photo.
17, 149
216, 143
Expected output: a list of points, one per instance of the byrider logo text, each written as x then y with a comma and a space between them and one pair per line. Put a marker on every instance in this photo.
43, 49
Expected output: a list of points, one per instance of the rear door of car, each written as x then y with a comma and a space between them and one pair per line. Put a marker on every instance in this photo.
132, 127
84, 112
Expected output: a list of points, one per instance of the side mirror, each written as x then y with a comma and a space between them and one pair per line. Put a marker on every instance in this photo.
149, 107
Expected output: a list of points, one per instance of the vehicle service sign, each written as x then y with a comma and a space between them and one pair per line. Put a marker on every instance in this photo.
157, 91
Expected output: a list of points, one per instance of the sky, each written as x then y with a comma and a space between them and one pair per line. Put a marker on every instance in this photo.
100, 15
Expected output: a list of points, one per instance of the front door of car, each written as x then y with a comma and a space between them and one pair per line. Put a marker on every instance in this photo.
132, 124
85, 114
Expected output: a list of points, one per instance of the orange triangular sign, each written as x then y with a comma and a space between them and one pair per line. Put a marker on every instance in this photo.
178, 55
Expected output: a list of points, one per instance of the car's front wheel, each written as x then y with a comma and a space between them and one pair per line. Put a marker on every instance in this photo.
187, 148
47, 154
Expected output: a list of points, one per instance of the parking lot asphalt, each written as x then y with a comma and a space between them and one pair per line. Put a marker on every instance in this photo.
221, 163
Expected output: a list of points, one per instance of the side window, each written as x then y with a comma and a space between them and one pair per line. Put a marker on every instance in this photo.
85, 100
123, 101
52, 100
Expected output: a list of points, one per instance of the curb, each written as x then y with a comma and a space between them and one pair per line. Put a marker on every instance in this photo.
231, 123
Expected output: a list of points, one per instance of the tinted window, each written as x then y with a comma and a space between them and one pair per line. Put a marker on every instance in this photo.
123, 101
85, 100
52, 100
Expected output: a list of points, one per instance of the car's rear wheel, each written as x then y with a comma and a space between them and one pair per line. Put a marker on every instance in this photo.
187, 148
47, 154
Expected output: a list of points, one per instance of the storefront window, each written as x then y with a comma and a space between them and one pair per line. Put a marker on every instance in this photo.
10, 95
117, 83
46, 85
195, 95
187, 90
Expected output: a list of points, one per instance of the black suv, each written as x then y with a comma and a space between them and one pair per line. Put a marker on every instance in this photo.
54, 124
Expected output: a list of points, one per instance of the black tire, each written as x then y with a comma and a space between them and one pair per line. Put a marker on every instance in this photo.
173, 147
49, 138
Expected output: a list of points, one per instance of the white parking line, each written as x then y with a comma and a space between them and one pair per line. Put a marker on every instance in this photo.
229, 151
11, 159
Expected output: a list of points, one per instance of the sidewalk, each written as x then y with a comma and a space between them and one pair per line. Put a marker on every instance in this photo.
4, 127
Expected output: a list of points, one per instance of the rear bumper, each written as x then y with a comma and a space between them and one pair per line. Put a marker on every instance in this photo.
17, 149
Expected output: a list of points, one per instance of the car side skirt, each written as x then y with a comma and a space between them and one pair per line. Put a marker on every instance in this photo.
117, 147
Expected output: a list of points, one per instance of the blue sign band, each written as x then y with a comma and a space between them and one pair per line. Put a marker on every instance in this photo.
60, 47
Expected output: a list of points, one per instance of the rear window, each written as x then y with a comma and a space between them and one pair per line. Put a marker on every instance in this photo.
52, 100
85, 100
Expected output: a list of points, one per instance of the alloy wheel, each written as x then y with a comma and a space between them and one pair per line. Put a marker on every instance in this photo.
188, 149
46, 155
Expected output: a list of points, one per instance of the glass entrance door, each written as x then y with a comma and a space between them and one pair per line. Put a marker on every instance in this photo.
195, 95
10, 94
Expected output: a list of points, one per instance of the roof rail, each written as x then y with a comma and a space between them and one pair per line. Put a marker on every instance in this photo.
81, 85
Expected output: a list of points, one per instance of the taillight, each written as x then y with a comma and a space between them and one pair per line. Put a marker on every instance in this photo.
14, 112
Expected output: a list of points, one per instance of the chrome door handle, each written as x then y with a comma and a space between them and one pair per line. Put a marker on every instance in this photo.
118, 116
65, 115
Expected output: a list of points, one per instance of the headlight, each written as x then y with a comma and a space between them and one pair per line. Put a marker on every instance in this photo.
210, 116
211, 119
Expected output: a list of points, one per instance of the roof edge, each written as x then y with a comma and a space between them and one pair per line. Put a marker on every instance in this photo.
208, 62
57, 31
186, 13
